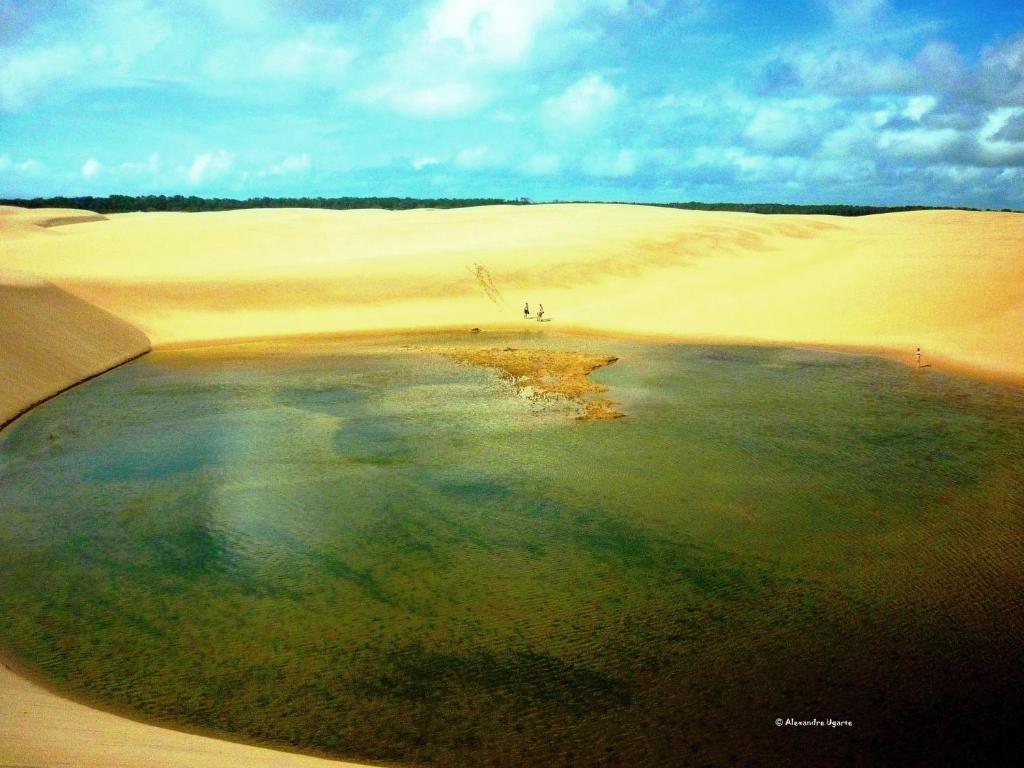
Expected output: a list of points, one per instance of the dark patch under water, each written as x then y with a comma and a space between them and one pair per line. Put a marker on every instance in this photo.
368, 550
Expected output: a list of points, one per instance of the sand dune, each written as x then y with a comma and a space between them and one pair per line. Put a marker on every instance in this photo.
72, 297
945, 280
16, 221
51, 340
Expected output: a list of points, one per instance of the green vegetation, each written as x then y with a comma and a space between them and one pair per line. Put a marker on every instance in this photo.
809, 210
191, 203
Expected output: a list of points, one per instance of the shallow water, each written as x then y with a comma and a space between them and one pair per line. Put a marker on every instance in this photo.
364, 548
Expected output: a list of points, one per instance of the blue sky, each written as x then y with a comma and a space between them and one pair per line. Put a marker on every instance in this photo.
859, 101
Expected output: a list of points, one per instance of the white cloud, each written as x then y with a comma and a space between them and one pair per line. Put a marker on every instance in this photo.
1001, 72
458, 55
473, 158
842, 71
620, 165
919, 106
1012, 130
941, 63
542, 164
993, 148
313, 55
922, 143
839, 170
783, 125
442, 99
209, 165
956, 173
128, 30
291, 164
505, 33
100, 45
719, 99
588, 99
449, 65
5, 163
27, 75
855, 138
774, 128
30, 167
420, 163
498, 31
737, 157
91, 167
298, 58
996, 120
787, 171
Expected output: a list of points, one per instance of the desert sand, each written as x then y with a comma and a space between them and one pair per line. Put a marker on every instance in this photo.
80, 293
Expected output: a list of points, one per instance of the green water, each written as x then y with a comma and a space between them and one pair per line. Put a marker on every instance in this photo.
368, 550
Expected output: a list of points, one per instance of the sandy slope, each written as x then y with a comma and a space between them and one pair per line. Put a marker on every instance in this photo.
947, 281
19, 222
951, 282
50, 340
39, 729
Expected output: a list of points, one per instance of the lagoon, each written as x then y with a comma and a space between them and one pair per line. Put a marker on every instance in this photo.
365, 548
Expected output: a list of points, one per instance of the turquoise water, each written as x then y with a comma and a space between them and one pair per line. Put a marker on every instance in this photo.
366, 549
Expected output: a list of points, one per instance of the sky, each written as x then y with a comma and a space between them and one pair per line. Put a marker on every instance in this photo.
880, 102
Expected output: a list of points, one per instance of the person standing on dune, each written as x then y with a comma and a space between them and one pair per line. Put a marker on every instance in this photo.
918, 354
526, 311
540, 312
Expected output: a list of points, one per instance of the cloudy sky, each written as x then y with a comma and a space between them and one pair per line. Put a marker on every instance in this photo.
860, 101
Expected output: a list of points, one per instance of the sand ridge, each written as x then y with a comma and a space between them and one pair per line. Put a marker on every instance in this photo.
51, 340
15, 221
947, 281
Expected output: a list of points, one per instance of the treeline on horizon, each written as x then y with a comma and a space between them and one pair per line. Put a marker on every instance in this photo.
193, 204
809, 210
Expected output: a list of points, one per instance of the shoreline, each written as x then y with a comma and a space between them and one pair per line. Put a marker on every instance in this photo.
107, 736
936, 360
6, 421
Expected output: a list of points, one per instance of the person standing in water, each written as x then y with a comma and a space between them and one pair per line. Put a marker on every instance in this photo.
918, 355
526, 311
540, 312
